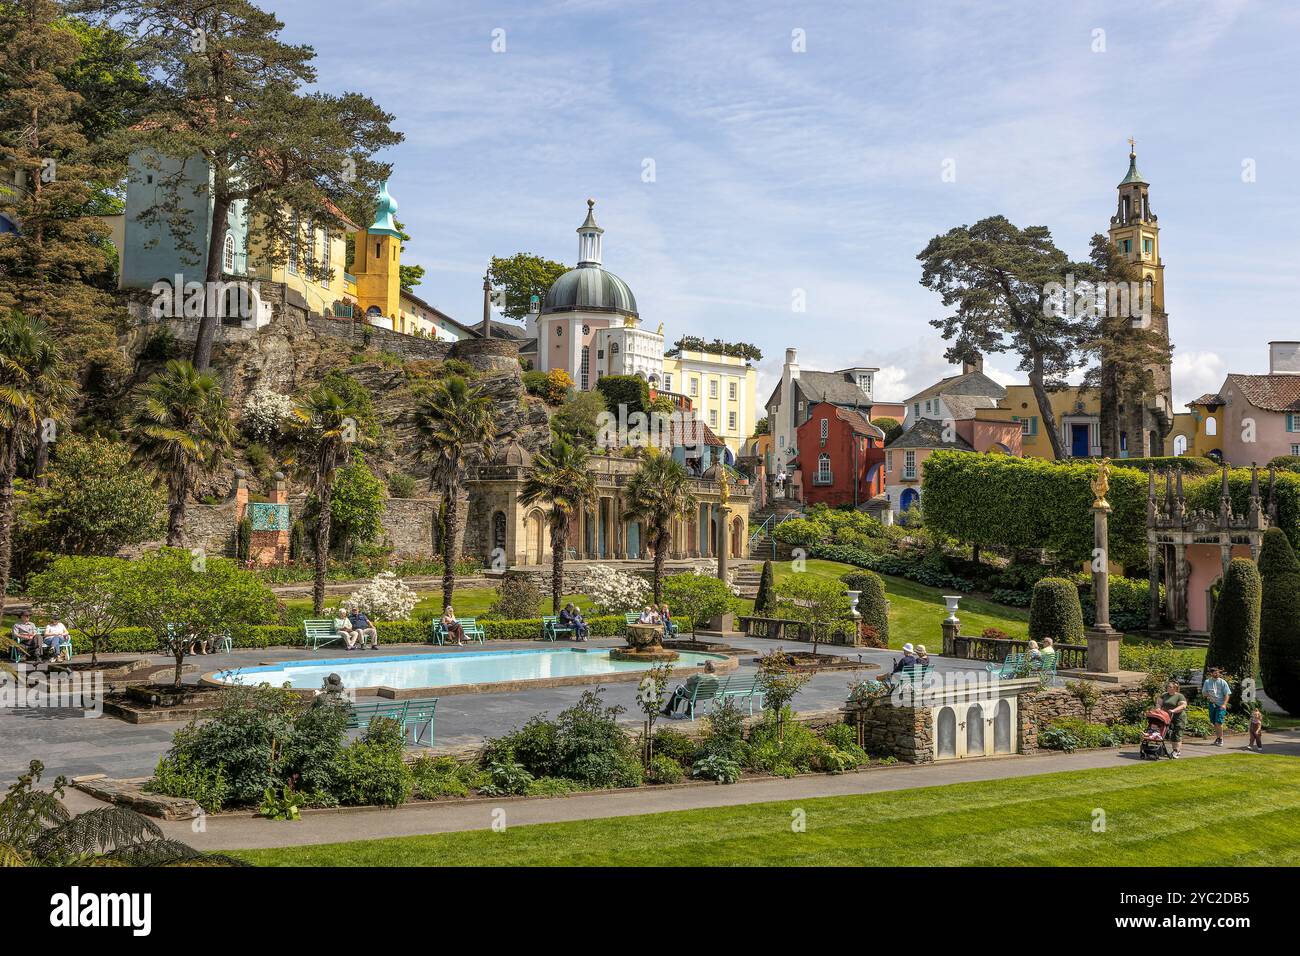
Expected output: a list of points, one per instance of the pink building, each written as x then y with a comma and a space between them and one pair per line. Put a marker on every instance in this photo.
1261, 413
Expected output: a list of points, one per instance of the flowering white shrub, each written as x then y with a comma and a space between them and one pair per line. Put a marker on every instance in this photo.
613, 591
265, 415
385, 598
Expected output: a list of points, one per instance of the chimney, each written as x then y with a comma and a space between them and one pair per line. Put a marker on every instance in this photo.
1284, 358
972, 363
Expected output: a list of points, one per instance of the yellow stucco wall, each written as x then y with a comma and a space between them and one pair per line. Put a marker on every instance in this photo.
1020, 404
1202, 428
719, 387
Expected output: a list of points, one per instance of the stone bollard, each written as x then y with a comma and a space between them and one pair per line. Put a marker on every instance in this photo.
951, 630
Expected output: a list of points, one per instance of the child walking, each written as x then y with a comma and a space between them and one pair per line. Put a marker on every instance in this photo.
1256, 729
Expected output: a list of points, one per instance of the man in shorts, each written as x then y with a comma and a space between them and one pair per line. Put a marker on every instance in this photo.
1216, 692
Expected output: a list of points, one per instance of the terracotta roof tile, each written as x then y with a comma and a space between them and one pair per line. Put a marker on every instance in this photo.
1272, 393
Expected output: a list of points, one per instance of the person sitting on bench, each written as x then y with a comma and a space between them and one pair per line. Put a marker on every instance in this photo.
452, 626
24, 633
362, 626
343, 628
670, 629
571, 618
56, 633
684, 692
907, 660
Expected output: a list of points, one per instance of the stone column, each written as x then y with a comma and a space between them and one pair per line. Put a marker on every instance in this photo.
1101, 565
720, 543
1154, 553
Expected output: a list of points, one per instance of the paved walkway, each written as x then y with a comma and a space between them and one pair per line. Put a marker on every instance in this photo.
247, 832
69, 742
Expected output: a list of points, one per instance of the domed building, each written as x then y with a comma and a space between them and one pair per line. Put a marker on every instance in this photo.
589, 325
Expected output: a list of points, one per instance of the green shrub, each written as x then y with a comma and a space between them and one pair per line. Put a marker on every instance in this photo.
1055, 611
1234, 632
725, 732
1279, 621
1057, 738
402, 485
180, 775
507, 777
840, 736
664, 769
765, 601
1286, 463
716, 767
434, 777
872, 604
371, 771
553, 787
535, 745
517, 597
1086, 735
676, 746
630, 390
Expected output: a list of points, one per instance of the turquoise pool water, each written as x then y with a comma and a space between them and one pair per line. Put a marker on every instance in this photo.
447, 669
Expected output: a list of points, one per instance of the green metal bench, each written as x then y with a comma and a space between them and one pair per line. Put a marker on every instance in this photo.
632, 617
914, 673
1045, 669
412, 714
551, 627
742, 688
17, 652
319, 630
706, 689
1009, 668
469, 625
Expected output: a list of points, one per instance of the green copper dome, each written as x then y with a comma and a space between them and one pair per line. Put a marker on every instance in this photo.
385, 209
589, 288
1133, 175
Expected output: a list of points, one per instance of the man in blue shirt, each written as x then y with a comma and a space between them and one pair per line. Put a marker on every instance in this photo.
363, 628
1216, 692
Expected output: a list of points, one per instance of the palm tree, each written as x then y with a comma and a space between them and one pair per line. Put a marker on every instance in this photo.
325, 432
31, 389
455, 418
181, 425
658, 492
559, 478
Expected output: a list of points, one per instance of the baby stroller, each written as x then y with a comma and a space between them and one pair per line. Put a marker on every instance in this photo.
1153, 743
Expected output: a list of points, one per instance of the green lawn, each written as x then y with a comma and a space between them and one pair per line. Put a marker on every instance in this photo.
1236, 809
915, 610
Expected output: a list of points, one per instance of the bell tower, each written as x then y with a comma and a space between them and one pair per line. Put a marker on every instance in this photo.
1136, 423
377, 262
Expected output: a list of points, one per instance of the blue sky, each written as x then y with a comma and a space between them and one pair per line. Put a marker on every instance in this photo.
820, 171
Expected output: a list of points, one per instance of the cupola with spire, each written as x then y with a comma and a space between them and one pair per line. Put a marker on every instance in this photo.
589, 287
385, 223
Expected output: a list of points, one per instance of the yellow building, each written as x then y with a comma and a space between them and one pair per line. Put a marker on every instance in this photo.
311, 271
1077, 414
1199, 431
721, 389
377, 266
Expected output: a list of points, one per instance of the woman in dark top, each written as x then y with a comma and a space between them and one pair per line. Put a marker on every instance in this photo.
1175, 705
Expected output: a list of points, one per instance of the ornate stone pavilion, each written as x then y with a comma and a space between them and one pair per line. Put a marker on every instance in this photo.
497, 518
1189, 549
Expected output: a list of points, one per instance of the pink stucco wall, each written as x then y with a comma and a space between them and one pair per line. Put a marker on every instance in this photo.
1207, 567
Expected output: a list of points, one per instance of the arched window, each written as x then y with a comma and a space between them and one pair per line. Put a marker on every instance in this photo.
613, 348
1211, 426
584, 374
824, 469
228, 254
1180, 444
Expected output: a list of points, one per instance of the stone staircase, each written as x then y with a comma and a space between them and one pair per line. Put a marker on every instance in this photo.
745, 580
766, 547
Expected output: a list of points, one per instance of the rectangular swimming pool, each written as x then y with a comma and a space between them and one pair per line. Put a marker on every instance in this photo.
449, 669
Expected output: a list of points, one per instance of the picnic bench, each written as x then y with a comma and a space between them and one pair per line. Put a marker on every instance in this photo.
472, 629
319, 630
411, 714
551, 627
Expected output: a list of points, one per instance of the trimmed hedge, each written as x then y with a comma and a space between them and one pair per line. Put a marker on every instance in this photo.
1234, 634
138, 640
765, 600
1187, 464
1026, 503
1279, 621
1055, 612
871, 602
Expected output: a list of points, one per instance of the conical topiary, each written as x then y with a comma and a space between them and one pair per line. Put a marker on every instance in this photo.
766, 592
872, 604
1055, 612
1234, 635
1279, 621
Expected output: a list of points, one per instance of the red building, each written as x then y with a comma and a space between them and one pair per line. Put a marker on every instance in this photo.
841, 457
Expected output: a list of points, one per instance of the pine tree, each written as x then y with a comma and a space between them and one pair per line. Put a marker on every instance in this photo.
58, 268
229, 90
1234, 634
1279, 621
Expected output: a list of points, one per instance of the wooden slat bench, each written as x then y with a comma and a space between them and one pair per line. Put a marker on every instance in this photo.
470, 625
317, 631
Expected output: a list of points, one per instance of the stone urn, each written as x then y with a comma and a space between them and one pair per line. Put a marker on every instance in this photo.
645, 642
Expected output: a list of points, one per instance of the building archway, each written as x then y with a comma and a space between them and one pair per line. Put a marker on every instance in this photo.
737, 537
499, 533
908, 499
535, 525
1180, 444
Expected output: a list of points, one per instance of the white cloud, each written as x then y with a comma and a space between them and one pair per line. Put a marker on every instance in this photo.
1196, 373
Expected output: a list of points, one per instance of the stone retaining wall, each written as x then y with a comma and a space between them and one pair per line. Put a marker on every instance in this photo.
1040, 708
901, 732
